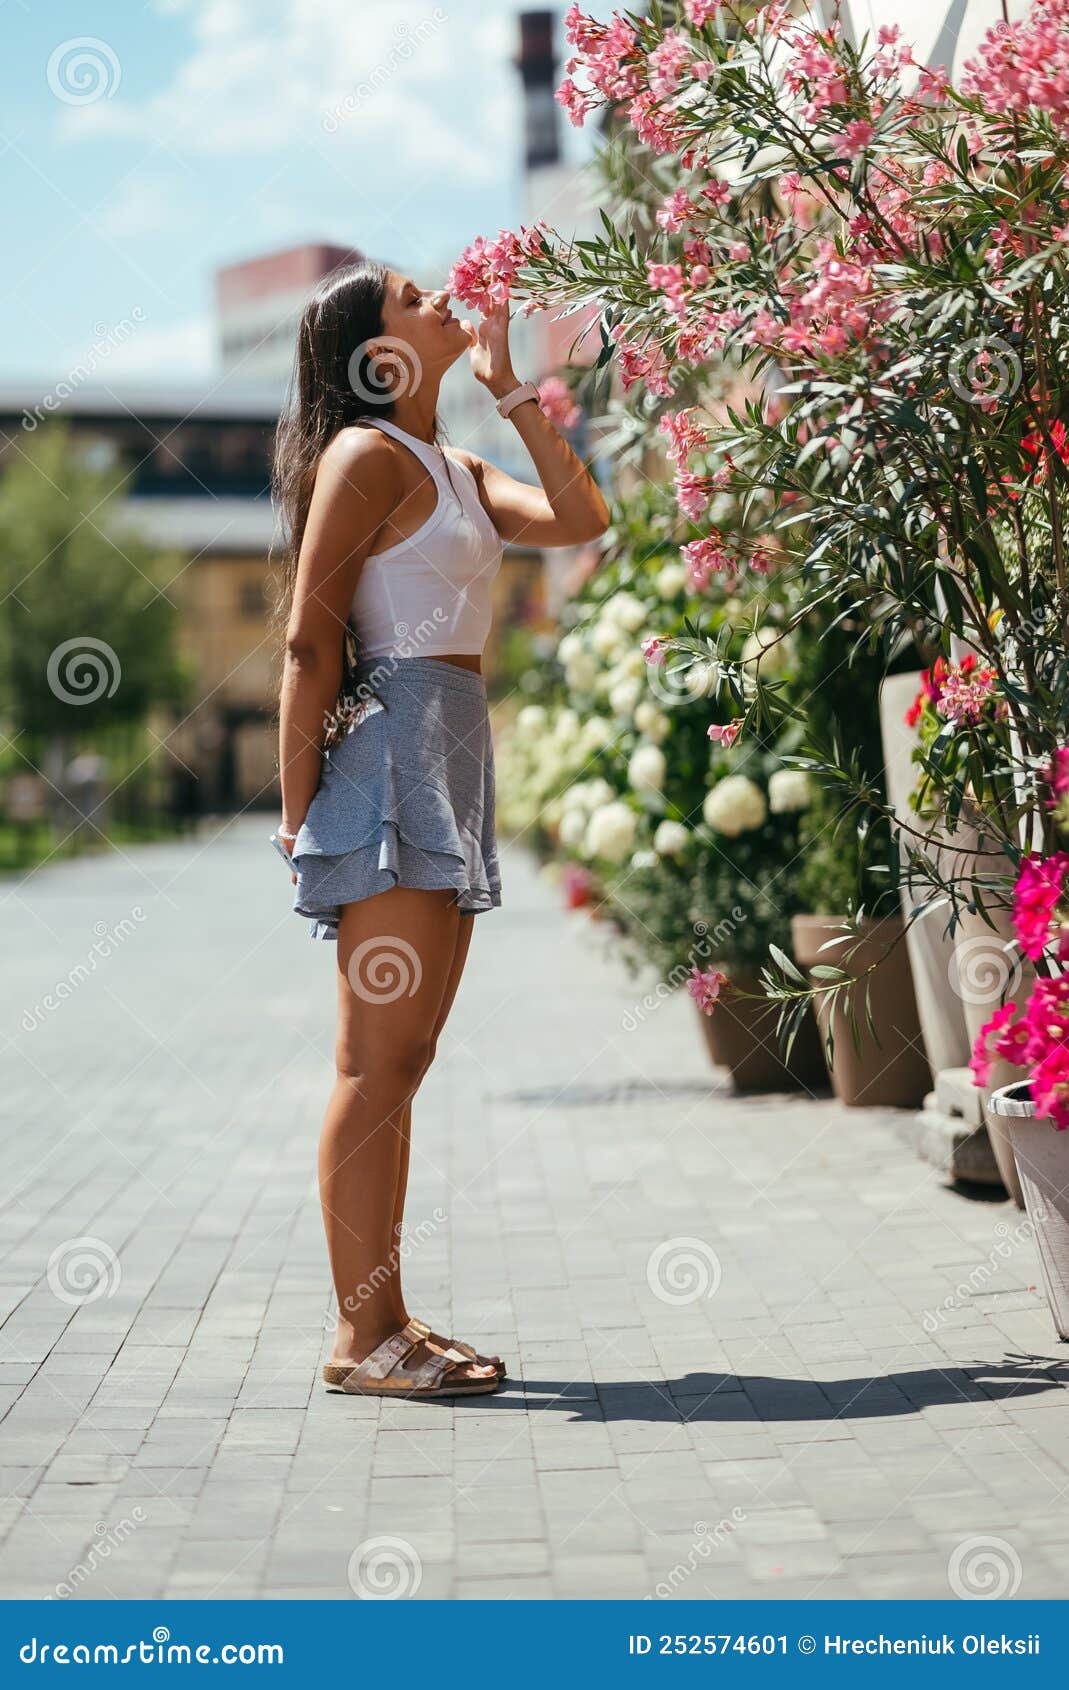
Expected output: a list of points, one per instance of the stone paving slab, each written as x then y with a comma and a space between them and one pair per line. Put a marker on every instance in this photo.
755, 1348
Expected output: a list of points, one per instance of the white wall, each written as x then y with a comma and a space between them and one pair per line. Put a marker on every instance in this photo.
941, 32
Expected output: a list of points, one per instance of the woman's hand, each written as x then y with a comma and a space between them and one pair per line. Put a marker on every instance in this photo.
491, 362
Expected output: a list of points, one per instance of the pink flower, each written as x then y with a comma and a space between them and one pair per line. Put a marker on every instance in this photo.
677, 210
699, 12
653, 650
725, 734
705, 987
981, 1059
1024, 66
692, 493
856, 137
684, 436
485, 271
705, 558
1036, 897
555, 398
965, 692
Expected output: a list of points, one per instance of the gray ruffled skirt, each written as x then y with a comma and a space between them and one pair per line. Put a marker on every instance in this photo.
406, 798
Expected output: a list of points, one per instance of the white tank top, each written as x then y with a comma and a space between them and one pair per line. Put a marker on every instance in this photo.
430, 594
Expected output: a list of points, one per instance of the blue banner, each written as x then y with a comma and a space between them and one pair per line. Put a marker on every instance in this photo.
744, 1643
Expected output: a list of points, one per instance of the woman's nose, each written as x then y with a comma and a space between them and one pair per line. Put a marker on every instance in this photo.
439, 296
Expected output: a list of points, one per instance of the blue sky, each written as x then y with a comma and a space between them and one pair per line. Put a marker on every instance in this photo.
220, 129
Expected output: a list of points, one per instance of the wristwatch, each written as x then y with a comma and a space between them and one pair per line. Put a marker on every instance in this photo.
526, 390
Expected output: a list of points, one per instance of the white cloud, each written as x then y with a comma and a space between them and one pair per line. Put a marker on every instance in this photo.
427, 85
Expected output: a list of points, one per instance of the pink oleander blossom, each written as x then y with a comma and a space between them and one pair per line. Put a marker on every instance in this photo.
483, 275
555, 398
684, 436
724, 733
1024, 66
705, 986
653, 650
701, 12
705, 558
1037, 895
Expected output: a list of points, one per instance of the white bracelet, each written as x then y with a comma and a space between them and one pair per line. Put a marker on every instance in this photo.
282, 834
518, 396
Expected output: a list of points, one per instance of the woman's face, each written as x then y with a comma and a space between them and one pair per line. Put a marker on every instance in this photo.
418, 325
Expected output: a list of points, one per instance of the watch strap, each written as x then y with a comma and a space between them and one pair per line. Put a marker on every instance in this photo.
526, 390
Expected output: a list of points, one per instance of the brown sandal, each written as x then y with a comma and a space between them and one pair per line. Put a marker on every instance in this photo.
471, 1354
383, 1373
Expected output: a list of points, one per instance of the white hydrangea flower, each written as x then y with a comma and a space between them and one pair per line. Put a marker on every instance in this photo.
647, 768
625, 611
734, 805
607, 638
581, 672
566, 727
531, 719
644, 859
573, 825
670, 839
671, 580
570, 647
788, 789
651, 721
596, 734
610, 832
625, 695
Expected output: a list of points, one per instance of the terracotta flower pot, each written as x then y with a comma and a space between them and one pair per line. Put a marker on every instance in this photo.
741, 1036
891, 1070
1042, 1154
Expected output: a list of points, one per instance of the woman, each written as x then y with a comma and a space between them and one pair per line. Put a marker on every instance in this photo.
391, 828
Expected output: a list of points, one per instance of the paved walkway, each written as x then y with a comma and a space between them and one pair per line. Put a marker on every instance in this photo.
758, 1349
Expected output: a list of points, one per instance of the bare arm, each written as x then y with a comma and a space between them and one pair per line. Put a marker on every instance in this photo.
357, 485
568, 507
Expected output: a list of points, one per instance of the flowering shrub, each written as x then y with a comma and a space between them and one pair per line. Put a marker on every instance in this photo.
881, 258
691, 844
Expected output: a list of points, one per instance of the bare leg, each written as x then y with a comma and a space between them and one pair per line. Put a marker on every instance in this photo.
460, 957
395, 957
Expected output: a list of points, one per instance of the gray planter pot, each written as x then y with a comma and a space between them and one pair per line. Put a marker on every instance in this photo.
1042, 1156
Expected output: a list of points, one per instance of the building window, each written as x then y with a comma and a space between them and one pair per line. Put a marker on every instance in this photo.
253, 600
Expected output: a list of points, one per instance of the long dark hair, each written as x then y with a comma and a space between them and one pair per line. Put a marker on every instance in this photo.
335, 382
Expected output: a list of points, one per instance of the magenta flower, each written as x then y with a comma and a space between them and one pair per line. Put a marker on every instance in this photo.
705, 987
980, 1061
1036, 896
